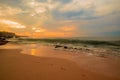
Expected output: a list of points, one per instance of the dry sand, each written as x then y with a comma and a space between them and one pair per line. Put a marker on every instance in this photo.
16, 66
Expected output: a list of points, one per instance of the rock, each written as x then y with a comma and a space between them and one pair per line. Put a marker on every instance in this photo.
75, 48
3, 42
57, 46
65, 47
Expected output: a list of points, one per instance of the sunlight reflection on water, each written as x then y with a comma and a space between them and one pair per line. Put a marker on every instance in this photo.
44, 51
33, 51
30, 49
39, 50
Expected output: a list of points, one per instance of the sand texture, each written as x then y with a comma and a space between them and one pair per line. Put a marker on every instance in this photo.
16, 66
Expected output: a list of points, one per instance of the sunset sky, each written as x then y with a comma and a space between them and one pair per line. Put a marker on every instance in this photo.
60, 18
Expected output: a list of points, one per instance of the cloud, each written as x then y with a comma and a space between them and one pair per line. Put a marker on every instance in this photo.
60, 17
37, 7
12, 24
89, 9
107, 7
8, 11
12, 3
38, 29
76, 5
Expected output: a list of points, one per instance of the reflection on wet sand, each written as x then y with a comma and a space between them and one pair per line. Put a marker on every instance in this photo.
83, 60
38, 50
33, 51
45, 51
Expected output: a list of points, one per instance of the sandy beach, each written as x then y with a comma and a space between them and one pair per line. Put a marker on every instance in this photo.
59, 39
17, 66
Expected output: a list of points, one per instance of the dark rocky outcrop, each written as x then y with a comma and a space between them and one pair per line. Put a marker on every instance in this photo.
4, 36
7, 34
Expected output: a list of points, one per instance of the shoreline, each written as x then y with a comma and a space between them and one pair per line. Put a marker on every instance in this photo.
17, 66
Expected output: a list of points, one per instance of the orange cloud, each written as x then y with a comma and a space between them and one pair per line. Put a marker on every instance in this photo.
41, 32
12, 24
64, 31
4, 27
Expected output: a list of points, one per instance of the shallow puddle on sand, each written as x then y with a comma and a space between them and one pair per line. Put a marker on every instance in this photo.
41, 50
45, 51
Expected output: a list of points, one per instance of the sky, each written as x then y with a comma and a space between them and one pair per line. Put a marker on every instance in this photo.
60, 18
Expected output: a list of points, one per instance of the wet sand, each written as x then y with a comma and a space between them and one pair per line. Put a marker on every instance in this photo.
17, 66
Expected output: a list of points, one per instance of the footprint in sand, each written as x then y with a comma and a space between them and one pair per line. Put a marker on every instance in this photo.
62, 68
83, 75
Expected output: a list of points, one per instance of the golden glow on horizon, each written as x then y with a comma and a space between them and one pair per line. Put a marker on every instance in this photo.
47, 34
68, 28
59, 18
37, 32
